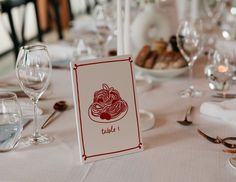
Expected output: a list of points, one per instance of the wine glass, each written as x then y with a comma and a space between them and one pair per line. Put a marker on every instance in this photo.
147, 118
103, 26
209, 32
33, 71
190, 45
214, 8
10, 121
219, 73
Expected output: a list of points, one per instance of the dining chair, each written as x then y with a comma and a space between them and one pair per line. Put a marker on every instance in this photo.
7, 7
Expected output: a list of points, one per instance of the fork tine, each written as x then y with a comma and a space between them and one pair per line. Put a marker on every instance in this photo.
211, 139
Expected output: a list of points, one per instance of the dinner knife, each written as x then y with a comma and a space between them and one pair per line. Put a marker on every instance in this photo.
227, 96
27, 123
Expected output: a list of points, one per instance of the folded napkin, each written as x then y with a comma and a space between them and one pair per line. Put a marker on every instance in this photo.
85, 23
60, 52
225, 110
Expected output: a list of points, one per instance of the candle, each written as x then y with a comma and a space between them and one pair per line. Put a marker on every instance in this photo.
222, 68
127, 28
119, 29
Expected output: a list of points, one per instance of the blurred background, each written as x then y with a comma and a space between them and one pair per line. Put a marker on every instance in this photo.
72, 21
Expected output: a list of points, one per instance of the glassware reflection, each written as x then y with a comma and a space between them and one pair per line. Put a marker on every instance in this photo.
219, 72
104, 28
190, 45
10, 121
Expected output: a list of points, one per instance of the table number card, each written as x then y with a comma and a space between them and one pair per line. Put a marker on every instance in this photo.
105, 106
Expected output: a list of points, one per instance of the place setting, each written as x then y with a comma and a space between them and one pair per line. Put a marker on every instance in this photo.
138, 88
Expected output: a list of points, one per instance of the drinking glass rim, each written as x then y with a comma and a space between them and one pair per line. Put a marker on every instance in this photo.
8, 96
35, 47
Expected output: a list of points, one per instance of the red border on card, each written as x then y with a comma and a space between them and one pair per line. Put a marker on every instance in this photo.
76, 66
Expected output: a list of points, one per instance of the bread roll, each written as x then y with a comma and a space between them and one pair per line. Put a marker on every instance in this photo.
160, 46
164, 60
151, 60
143, 55
179, 63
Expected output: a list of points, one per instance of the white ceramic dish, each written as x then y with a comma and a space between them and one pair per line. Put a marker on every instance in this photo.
147, 120
143, 84
166, 73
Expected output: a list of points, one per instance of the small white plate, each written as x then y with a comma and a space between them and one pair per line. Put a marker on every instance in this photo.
232, 162
165, 73
147, 120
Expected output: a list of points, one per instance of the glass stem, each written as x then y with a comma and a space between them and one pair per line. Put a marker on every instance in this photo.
191, 75
36, 128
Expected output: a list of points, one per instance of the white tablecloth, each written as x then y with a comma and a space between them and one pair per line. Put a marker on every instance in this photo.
172, 152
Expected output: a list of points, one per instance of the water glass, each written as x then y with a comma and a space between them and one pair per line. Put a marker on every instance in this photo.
104, 28
219, 72
10, 121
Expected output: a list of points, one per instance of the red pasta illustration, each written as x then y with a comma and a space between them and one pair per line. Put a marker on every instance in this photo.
107, 106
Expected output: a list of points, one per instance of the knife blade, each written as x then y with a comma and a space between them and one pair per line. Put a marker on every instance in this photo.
226, 96
27, 123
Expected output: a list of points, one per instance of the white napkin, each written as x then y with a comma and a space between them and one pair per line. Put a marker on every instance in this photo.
85, 23
60, 52
225, 110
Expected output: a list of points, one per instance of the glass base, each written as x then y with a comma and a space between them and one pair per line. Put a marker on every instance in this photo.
33, 140
190, 92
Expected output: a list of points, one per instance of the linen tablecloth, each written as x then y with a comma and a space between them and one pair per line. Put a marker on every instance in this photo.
172, 152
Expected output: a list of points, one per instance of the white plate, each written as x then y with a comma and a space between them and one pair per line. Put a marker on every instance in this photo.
143, 84
167, 73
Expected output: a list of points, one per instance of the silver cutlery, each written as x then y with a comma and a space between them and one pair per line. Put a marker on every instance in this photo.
224, 96
186, 122
58, 106
229, 151
27, 123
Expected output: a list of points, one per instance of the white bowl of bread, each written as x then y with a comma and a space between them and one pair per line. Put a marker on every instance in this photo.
158, 61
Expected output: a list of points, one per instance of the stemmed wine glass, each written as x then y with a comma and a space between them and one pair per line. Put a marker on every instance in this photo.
209, 24
103, 26
190, 45
214, 8
33, 71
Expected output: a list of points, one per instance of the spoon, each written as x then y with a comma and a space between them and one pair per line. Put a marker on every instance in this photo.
186, 122
58, 106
